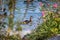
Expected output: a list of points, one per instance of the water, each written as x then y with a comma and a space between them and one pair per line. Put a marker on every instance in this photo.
33, 10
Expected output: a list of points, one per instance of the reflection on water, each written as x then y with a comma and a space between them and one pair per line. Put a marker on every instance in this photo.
33, 10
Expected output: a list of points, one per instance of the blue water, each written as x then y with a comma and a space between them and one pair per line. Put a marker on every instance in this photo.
33, 10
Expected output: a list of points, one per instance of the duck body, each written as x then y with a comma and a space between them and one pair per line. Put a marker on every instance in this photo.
28, 21
28, 1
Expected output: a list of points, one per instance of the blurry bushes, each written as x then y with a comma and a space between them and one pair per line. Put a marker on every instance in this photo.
48, 29
16, 37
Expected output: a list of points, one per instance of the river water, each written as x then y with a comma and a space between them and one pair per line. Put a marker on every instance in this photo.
33, 10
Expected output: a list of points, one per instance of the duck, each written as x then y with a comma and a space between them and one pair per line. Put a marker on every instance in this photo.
28, 21
28, 1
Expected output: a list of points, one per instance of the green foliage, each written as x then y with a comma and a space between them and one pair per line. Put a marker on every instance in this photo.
13, 37
49, 28
11, 4
11, 24
19, 28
